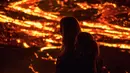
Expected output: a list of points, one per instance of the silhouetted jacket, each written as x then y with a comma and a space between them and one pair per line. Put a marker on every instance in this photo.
84, 63
65, 63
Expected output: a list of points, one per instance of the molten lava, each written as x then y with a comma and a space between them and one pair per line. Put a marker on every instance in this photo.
44, 32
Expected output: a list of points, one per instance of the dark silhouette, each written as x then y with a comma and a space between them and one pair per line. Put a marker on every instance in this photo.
85, 43
86, 53
69, 28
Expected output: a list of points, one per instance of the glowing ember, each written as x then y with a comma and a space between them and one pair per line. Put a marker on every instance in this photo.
36, 55
49, 57
50, 47
26, 45
31, 67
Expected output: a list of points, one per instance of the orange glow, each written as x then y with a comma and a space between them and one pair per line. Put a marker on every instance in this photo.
49, 57
1, 12
31, 67
36, 55
32, 9
107, 30
44, 32
34, 33
50, 47
25, 45
6, 19
97, 6
84, 5
18, 41
123, 46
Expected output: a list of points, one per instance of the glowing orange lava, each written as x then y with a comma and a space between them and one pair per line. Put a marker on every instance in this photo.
31, 8
48, 28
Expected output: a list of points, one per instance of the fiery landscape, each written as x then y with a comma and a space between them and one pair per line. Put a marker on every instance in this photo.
45, 28
29, 23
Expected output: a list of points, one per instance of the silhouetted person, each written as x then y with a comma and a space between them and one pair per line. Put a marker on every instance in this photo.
69, 28
85, 43
86, 53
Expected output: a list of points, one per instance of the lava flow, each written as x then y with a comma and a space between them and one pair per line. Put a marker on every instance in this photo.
33, 26
47, 30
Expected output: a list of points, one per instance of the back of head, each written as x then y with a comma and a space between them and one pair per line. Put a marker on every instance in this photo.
69, 28
83, 37
86, 44
69, 23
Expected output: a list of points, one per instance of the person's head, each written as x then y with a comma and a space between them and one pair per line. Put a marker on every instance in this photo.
86, 43
69, 28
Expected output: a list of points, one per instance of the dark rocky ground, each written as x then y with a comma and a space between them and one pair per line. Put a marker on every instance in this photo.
17, 60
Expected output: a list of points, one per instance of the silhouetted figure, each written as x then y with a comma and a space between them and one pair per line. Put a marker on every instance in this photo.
86, 53
69, 28
85, 43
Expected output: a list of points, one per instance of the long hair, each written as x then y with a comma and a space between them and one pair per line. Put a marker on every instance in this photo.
87, 51
69, 28
86, 43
